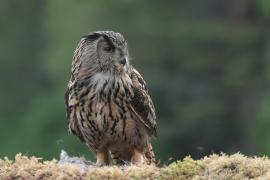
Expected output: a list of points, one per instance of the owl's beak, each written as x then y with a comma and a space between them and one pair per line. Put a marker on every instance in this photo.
123, 61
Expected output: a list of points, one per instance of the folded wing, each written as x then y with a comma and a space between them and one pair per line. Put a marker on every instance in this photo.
142, 104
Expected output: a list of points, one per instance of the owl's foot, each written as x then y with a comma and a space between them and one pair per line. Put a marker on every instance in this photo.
102, 158
137, 157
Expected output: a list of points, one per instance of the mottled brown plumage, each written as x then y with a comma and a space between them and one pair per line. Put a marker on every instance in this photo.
107, 103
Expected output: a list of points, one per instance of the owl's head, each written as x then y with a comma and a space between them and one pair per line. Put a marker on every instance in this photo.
103, 51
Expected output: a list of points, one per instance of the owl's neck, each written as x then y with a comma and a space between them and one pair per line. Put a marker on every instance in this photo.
98, 77
105, 83
101, 78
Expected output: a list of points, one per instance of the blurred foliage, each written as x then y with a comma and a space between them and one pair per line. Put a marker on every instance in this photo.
264, 6
207, 65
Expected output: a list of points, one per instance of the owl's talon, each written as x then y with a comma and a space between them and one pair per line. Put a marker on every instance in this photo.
100, 164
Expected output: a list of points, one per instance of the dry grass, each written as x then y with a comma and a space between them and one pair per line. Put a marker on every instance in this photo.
215, 167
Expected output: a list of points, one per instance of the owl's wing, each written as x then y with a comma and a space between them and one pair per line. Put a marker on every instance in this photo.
70, 104
142, 103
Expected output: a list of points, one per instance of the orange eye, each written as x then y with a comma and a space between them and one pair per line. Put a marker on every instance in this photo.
108, 49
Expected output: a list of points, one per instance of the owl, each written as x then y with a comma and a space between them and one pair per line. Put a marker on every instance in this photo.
107, 102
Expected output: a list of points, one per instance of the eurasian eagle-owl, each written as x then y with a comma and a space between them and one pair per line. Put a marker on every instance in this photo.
107, 102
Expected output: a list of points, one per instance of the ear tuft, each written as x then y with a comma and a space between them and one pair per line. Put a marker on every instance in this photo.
92, 36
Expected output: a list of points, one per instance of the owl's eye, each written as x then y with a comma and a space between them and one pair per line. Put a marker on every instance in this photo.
108, 49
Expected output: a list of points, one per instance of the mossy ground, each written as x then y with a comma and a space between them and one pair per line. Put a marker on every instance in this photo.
222, 166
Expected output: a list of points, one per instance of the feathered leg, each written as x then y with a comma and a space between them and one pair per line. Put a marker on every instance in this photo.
149, 155
102, 158
137, 157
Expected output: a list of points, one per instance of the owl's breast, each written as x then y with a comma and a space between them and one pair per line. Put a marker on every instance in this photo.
104, 112
110, 107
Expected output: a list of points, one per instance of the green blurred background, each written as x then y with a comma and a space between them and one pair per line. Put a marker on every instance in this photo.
207, 65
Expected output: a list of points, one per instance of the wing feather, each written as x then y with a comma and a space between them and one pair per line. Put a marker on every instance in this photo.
71, 117
142, 103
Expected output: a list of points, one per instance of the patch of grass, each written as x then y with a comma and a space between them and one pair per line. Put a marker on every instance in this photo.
222, 166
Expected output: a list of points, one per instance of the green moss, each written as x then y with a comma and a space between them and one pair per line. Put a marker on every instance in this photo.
222, 166
186, 169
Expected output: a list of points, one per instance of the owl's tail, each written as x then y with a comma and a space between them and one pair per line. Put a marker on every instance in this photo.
149, 155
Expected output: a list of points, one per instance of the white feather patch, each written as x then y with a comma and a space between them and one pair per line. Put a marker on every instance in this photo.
100, 78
